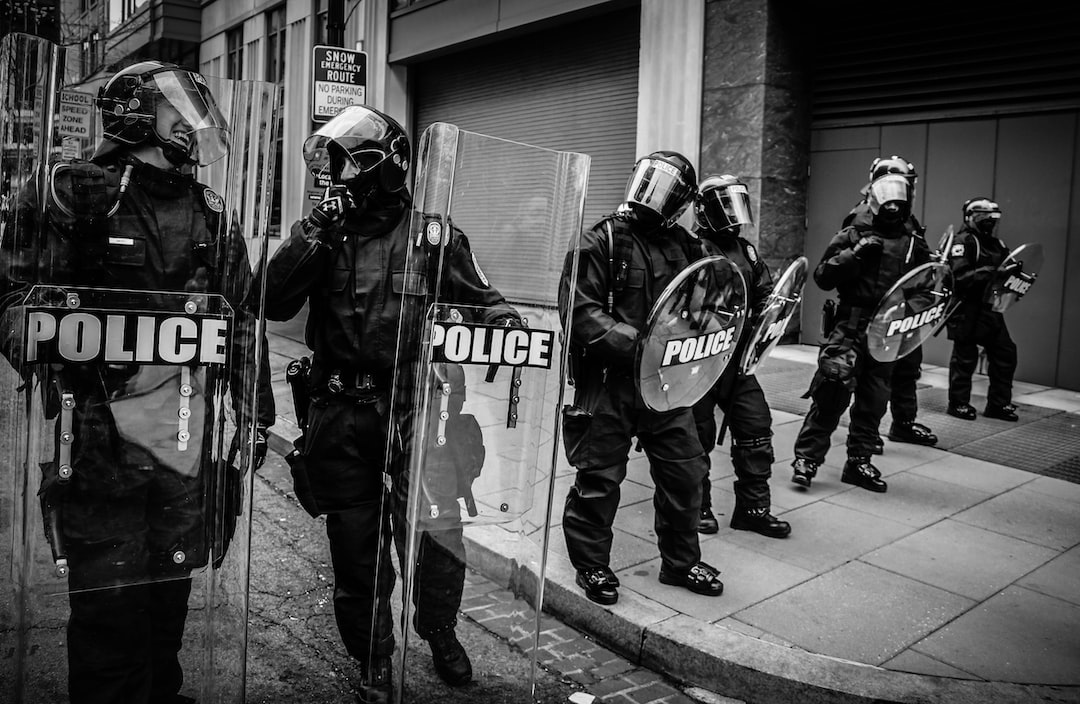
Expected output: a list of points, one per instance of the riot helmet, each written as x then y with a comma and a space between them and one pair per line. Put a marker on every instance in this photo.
889, 197
663, 183
722, 203
981, 214
362, 149
883, 166
164, 105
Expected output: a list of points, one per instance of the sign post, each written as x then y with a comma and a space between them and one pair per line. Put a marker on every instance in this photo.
339, 79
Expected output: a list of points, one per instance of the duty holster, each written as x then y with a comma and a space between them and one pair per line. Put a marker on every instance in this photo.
297, 375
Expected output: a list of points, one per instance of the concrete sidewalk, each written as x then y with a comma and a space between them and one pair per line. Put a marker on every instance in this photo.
961, 584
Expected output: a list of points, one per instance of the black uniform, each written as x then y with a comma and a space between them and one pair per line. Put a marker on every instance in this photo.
135, 517
844, 363
974, 258
903, 400
634, 267
353, 278
739, 396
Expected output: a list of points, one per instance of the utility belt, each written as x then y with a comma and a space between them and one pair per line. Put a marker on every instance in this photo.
348, 382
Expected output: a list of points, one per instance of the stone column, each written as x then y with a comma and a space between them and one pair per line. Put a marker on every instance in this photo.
755, 118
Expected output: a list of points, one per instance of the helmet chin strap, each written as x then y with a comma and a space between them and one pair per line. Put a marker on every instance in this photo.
174, 154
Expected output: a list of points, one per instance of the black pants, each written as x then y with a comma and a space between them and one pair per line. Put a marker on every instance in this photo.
903, 402
121, 527
124, 643
345, 450
746, 413
989, 332
598, 440
869, 386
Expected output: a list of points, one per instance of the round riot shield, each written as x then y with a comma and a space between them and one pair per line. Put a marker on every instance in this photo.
910, 312
1014, 277
690, 334
781, 305
479, 381
132, 330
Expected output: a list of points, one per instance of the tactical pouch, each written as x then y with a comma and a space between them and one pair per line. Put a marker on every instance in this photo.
828, 317
301, 482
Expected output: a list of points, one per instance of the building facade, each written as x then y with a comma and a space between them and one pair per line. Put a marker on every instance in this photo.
796, 98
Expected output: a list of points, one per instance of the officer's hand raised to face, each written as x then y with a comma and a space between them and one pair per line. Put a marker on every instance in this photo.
868, 244
332, 208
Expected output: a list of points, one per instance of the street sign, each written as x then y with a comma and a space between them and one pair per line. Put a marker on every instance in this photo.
339, 79
76, 110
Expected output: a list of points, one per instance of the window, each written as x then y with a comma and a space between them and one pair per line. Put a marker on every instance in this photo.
234, 53
275, 73
321, 14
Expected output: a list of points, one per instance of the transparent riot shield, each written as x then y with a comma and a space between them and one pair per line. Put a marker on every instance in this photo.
479, 384
910, 312
1014, 277
781, 305
133, 350
691, 334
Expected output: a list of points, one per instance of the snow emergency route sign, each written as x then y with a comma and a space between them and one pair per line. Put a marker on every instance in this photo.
339, 79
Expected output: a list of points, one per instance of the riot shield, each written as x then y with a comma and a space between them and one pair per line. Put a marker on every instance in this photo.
480, 380
1014, 277
132, 355
691, 334
910, 312
781, 305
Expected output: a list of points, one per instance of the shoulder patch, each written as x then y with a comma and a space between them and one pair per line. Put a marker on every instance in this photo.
957, 250
433, 232
479, 271
751, 253
213, 200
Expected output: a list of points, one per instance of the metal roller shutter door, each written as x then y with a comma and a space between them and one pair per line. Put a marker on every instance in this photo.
570, 88
939, 60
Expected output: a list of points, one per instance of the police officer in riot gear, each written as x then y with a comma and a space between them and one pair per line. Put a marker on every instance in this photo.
133, 517
346, 259
862, 261
722, 208
626, 260
903, 401
974, 258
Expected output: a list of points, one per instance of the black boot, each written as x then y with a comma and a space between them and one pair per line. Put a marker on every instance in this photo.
859, 471
451, 661
376, 682
708, 524
963, 411
760, 521
804, 471
915, 433
1006, 412
600, 585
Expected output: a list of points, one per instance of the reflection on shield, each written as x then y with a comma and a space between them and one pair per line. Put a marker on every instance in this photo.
478, 389
129, 410
910, 312
1014, 277
781, 305
690, 334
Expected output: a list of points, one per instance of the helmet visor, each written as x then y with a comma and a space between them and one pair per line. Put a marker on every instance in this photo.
659, 186
201, 129
733, 201
891, 187
356, 129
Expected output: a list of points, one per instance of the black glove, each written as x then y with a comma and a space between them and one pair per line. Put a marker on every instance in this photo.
332, 208
868, 244
1012, 267
261, 446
